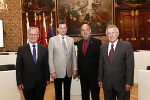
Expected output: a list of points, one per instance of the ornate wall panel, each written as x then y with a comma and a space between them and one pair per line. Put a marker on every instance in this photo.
12, 18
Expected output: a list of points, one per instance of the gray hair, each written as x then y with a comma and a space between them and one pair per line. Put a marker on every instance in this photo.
33, 28
112, 26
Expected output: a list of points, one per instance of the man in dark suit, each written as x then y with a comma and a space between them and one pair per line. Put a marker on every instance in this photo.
32, 69
116, 68
88, 63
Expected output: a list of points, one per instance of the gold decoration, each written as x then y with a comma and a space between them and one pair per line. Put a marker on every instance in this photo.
116, 5
148, 38
133, 39
142, 38
148, 20
135, 5
3, 5
136, 12
120, 22
40, 17
127, 39
132, 13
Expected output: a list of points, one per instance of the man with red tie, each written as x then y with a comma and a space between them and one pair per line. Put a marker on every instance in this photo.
116, 68
88, 63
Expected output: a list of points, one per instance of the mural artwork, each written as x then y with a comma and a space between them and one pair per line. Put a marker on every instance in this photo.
97, 13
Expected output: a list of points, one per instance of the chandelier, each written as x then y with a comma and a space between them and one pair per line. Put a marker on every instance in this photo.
3, 5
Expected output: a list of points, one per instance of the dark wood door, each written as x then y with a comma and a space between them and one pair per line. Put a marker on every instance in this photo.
147, 28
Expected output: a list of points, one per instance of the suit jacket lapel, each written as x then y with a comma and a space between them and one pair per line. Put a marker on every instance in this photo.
58, 40
68, 44
60, 43
106, 51
30, 53
117, 49
80, 47
89, 46
39, 53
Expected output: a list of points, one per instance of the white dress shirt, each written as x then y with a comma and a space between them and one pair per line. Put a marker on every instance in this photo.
109, 46
36, 47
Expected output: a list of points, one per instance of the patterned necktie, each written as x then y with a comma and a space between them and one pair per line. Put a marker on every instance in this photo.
34, 53
84, 47
64, 44
111, 53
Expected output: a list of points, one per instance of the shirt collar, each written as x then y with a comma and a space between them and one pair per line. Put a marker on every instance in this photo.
88, 39
31, 45
115, 43
60, 36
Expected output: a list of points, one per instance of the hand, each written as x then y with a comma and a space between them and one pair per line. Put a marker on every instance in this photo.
20, 87
100, 84
53, 75
128, 87
74, 73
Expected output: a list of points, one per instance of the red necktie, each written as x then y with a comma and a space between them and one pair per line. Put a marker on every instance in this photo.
84, 46
111, 53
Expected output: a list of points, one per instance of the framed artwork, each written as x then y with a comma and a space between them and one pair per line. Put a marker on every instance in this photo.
97, 13
30, 5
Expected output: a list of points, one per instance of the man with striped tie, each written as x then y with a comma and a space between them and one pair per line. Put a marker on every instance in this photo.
116, 68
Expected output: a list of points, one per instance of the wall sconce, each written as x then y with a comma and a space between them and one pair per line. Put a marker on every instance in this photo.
2, 5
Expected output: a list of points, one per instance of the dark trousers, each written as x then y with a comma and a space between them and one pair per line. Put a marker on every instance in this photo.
111, 94
58, 87
87, 86
37, 93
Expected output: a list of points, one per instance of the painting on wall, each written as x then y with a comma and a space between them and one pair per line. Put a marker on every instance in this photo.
97, 13
30, 5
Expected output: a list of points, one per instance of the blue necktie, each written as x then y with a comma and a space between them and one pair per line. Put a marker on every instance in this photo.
34, 53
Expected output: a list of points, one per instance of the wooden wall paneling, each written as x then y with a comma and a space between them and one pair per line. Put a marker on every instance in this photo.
134, 25
140, 30
127, 26
147, 28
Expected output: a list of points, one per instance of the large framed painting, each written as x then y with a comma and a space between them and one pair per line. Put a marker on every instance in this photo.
97, 13
37, 5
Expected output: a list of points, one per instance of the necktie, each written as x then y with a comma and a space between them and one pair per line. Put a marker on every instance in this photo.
64, 44
84, 47
34, 53
111, 53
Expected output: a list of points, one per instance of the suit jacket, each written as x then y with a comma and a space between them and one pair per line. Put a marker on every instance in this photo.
88, 64
61, 61
121, 70
27, 72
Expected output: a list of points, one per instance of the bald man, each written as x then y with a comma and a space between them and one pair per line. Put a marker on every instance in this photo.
88, 63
